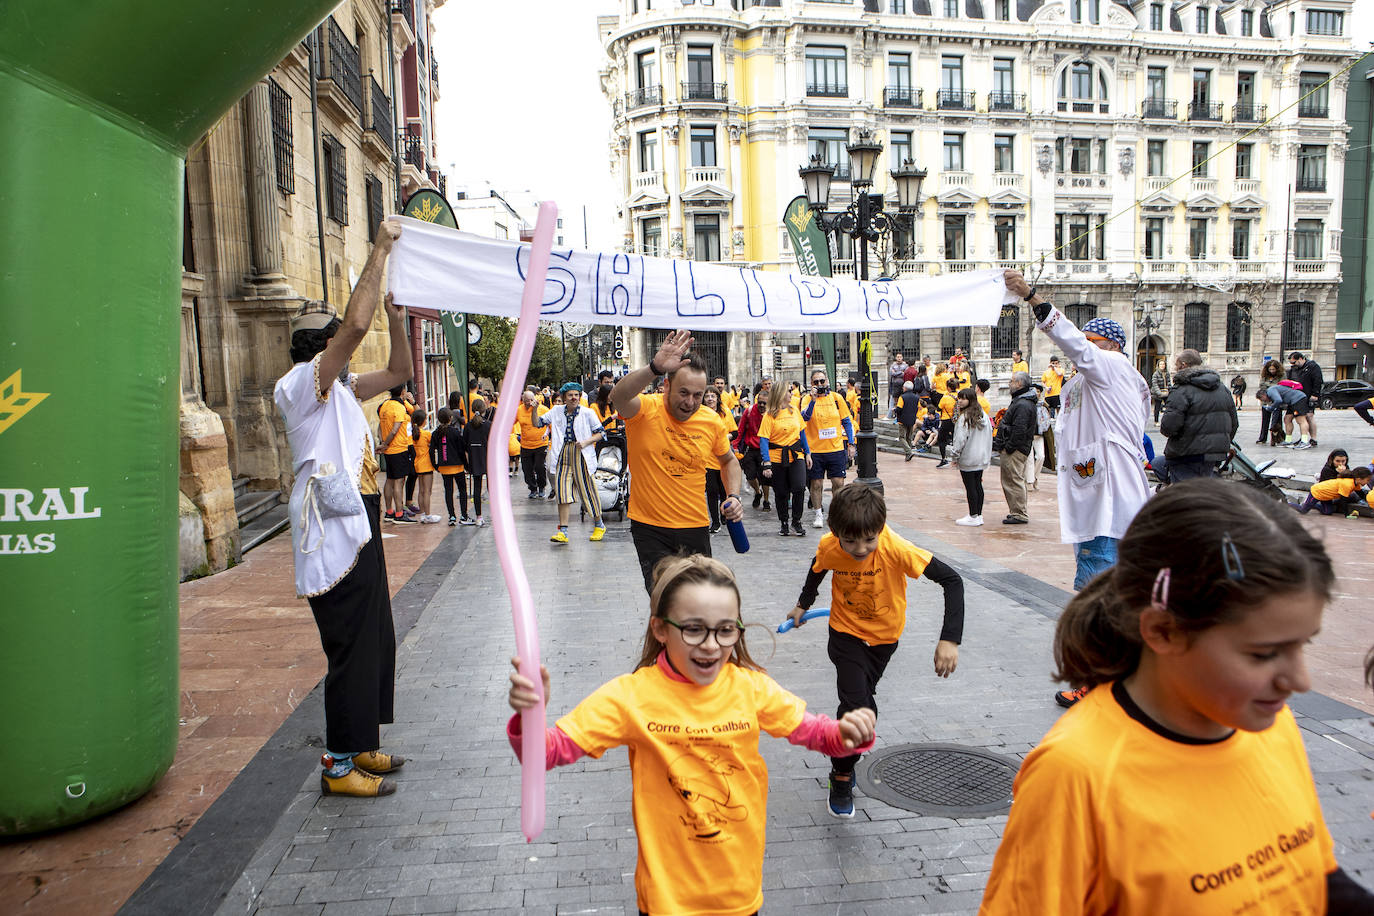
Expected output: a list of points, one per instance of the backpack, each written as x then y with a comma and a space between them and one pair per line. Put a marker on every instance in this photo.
1042, 418
447, 445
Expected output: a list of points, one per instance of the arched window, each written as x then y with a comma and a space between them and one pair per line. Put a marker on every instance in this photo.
1083, 88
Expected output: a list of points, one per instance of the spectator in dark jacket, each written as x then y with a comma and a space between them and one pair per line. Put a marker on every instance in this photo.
1309, 375
1015, 436
908, 405
1199, 419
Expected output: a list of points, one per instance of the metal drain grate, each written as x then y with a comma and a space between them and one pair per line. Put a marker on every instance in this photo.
945, 780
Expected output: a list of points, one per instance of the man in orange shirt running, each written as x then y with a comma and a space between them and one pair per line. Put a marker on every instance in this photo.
669, 438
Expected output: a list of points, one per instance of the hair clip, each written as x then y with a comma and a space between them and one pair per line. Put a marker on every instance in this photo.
1159, 595
1230, 559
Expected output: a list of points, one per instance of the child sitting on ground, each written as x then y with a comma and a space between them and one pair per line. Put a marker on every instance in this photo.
871, 564
1339, 494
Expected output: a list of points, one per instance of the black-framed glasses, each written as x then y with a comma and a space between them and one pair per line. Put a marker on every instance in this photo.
694, 634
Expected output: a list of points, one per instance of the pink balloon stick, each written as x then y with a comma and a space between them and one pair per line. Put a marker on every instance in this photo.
512, 567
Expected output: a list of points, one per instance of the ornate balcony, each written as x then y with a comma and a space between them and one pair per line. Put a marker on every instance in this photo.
902, 98
377, 122
644, 96
703, 92
1159, 109
1247, 113
340, 81
954, 100
1204, 111
1010, 102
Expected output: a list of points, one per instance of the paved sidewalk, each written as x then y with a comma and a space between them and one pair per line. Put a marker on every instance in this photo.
449, 840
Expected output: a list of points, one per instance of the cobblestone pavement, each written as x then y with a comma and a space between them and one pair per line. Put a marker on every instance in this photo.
449, 840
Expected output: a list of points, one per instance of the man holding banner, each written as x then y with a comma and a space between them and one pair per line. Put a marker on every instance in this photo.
669, 439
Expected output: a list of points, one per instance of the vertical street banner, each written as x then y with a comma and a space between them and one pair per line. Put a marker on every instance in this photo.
431, 207
813, 259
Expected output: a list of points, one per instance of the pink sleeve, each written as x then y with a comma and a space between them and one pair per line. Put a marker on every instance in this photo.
822, 733
559, 749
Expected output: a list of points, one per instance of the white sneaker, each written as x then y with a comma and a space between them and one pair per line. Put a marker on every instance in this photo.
967, 521
481, 522
977, 521
819, 520
430, 520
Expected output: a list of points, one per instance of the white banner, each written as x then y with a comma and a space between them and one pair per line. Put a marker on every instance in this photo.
439, 268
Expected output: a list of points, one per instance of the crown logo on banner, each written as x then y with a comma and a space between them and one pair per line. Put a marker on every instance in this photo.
15, 402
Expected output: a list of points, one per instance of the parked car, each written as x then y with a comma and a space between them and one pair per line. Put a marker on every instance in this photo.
1345, 393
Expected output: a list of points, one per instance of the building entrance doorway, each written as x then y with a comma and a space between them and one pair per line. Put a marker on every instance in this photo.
1150, 349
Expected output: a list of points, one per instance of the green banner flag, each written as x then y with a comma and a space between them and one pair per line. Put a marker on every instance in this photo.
813, 259
431, 207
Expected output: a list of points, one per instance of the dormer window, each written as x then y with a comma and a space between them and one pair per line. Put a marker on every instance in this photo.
1204, 14
1083, 88
1325, 22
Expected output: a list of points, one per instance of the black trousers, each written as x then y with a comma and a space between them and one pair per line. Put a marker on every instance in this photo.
858, 668
354, 620
461, 480
789, 483
532, 462
973, 490
653, 543
715, 495
477, 478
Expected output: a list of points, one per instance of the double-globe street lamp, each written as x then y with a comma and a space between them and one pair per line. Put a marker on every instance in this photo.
864, 220
1148, 316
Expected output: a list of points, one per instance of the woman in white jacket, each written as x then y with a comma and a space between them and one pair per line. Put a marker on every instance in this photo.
572, 456
972, 452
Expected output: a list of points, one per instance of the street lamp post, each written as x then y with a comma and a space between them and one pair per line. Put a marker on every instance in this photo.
1148, 316
864, 220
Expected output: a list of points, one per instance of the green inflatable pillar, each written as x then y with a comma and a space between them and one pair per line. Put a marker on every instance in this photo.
99, 104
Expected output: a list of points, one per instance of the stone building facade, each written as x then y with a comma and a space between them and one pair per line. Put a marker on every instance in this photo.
1182, 160
256, 244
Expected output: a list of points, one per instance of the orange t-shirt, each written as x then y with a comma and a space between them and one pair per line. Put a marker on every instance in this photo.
868, 597
1112, 817
423, 464
668, 464
784, 429
947, 405
1336, 487
712, 462
531, 436
610, 420
852, 399
825, 429
699, 784
391, 413
1053, 381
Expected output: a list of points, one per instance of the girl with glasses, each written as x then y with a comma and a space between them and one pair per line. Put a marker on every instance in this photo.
691, 714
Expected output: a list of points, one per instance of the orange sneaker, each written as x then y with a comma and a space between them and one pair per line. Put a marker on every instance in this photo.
356, 782
1067, 698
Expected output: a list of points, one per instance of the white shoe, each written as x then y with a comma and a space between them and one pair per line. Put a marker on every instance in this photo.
967, 521
430, 519
977, 521
481, 522
819, 520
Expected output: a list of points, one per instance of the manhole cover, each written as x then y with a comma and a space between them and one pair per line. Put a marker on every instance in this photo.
945, 780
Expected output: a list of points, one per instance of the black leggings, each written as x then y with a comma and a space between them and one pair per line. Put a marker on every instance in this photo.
789, 483
973, 490
1363, 409
715, 495
858, 668
449, 480
477, 492
946, 436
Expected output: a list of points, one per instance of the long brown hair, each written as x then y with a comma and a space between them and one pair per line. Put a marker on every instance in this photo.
670, 574
779, 398
712, 389
1272, 370
1213, 577
973, 412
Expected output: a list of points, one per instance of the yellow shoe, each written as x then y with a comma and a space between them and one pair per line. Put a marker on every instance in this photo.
356, 782
560, 537
597, 533
377, 763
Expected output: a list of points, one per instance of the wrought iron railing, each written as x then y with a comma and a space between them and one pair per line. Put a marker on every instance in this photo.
1247, 112
1006, 101
1159, 108
703, 92
954, 100
406, 8
828, 90
645, 95
904, 97
1311, 184
342, 65
1204, 111
1311, 109
380, 113
412, 149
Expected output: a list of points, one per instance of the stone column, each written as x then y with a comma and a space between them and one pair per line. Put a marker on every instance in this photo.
264, 224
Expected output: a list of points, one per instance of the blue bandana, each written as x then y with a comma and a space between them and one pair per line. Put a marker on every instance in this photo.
1105, 327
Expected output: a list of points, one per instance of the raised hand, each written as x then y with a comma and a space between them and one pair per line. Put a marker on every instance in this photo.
671, 352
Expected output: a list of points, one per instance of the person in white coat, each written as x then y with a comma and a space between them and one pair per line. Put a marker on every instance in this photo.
575, 430
972, 452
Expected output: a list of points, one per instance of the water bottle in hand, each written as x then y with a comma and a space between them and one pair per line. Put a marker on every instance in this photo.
738, 536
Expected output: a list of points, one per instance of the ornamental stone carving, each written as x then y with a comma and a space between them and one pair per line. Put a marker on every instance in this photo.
1126, 160
1044, 158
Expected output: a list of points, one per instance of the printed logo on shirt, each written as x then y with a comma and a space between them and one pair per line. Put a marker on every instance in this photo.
860, 593
702, 781
1087, 468
682, 458
1263, 864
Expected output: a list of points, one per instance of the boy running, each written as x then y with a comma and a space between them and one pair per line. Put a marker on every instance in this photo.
871, 563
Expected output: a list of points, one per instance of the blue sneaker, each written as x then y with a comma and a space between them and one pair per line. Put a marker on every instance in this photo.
841, 802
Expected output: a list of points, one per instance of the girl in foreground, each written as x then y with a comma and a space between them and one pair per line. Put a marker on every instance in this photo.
691, 714
1179, 784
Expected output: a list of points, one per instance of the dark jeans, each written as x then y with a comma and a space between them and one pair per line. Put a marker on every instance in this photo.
653, 543
715, 495
462, 481
973, 490
1159, 406
1173, 470
789, 485
1363, 408
532, 462
858, 668
477, 477
359, 641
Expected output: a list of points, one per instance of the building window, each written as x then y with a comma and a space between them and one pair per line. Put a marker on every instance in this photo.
703, 141
1156, 17
1203, 14
1083, 88
1240, 239
900, 141
829, 144
1003, 75
1002, 10
954, 236
954, 152
898, 7
1312, 95
1154, 238
1307, 240
1002, 153
951, 9
707, 232
1080, 313
283, 143
1006, 333
1197, 238
1202, 86
1297, 327
651, 236
1005, 229
1075, 155
700, 71
1311, 168
899, 74
646, 70
1156, 83
334, 165
1202, 152
1154, 158
1237, 327
952, 73
1244, 153
1080, 236
1196, 326
376, 205
1325, 22
648, 151
952, 339
826, 71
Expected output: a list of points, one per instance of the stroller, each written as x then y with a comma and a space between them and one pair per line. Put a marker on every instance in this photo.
612, 475
1238, 466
